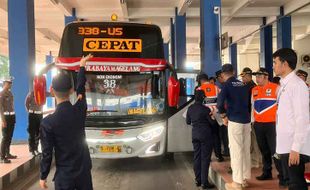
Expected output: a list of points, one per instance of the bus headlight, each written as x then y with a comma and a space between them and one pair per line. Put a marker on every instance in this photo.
152, 133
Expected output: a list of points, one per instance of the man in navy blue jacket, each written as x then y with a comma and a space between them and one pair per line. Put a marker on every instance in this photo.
235, 93
63, 133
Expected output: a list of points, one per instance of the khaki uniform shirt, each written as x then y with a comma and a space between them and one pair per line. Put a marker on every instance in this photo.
6, 103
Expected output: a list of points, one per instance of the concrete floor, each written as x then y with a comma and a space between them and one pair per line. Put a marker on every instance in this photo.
137, 174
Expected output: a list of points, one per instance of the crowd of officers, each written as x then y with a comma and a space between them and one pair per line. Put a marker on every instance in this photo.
8, 118
247, 115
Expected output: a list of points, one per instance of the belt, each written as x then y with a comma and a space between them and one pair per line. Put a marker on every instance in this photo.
8, 113
35, 112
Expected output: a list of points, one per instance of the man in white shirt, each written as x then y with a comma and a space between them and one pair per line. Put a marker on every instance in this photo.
293, 126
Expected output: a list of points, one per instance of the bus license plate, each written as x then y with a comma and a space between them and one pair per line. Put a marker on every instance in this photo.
111, 149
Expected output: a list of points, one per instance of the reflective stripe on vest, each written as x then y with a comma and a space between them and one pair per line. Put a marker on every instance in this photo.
265, 102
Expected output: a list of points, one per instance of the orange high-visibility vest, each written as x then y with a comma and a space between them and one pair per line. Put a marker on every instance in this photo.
265, 102
211, 92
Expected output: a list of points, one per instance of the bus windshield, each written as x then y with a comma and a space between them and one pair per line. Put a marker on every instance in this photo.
125, 94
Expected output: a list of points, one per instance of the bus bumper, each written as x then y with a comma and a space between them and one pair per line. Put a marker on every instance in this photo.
145, 141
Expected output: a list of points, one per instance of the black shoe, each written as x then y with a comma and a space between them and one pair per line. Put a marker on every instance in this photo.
283, 184
220, 159
207, 186
198, 184
10, 156
264, 177
5, 161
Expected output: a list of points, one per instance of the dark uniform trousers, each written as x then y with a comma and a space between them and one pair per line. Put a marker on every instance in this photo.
82, 182
266, 140
217, 139
224, 139
295, 173
203, 146
7, 134
34, 130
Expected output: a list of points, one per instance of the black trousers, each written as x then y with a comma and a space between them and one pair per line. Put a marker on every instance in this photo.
224, 138
82, 182
34, 121
266, 140
7, 134
203, 145
295, 173
217, 140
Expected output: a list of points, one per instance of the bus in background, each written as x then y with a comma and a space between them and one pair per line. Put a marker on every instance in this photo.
131, 91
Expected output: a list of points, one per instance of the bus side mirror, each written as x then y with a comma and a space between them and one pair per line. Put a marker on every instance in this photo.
39, 89
173, 92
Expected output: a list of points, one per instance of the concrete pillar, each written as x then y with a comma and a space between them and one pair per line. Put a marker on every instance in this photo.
180, 40
233, 56
166, 51
209, 37
284, 31
266, 48
22, 58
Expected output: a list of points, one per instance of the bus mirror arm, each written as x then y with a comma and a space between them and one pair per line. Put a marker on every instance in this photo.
47, 68
172, 70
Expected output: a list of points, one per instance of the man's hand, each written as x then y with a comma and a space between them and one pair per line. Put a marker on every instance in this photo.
80, 97
294, 158
85, 59
3, 124
43, 184
225, 121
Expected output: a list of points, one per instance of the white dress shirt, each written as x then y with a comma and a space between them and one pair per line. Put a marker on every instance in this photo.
293, 125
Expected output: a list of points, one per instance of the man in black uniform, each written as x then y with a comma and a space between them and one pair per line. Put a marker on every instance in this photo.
204, 80
223, 128
34, 119
8, 120
247, 78
63, 132
199, 117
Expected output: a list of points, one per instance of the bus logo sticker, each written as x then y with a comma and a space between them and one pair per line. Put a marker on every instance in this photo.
111, 68
112, 45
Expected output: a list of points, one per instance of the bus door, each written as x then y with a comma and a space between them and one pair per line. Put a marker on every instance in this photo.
179, 133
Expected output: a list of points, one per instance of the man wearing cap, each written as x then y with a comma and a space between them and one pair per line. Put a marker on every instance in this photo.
35, 115
238, 118
211, 92
246, 76
63, 132
8, 120
264, 101
223, 128
198, 115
